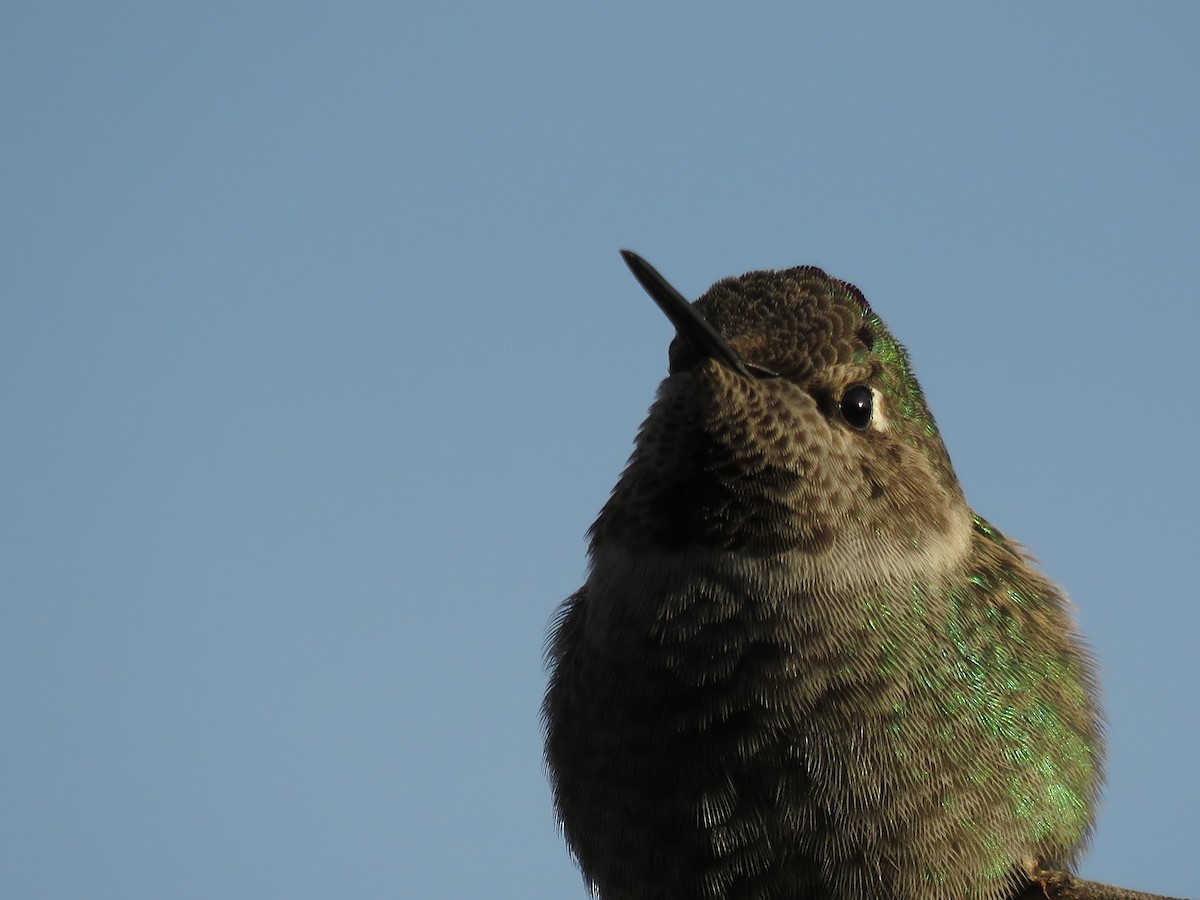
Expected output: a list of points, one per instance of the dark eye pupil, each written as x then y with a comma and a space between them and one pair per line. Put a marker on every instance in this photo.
856, 406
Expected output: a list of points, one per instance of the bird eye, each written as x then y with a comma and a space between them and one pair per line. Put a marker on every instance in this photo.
856, 406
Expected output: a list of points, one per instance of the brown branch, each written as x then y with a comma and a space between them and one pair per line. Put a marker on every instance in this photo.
1050, 885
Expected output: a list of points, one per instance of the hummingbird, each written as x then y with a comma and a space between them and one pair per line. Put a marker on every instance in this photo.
801, 667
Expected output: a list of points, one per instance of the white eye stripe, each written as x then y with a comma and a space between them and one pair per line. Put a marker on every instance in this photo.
879, 419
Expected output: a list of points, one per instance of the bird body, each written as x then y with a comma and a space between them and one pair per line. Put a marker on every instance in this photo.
801, 667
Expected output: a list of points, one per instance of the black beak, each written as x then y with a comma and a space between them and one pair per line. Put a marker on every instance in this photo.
702, 337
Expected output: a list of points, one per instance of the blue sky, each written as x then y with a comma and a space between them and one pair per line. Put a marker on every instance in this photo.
317, 360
